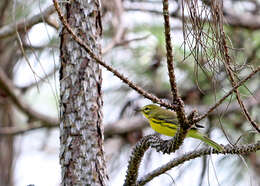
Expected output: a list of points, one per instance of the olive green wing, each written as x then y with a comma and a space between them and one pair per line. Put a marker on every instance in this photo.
170, 117
166, 116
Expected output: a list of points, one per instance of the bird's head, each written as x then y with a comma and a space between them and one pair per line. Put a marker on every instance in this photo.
149, 109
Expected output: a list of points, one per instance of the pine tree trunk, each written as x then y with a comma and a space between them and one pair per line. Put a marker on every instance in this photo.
81, 131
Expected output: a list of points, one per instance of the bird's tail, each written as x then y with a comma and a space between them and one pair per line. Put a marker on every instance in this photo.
197, 135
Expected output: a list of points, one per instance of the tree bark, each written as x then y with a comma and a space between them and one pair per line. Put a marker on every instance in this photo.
81, 131
6, 144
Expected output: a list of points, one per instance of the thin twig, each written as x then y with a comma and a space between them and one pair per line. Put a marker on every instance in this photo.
109, 68
31, 126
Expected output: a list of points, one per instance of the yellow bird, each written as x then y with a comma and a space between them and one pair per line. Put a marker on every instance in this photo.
165, 122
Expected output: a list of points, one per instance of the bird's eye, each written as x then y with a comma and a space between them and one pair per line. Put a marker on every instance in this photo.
146, 109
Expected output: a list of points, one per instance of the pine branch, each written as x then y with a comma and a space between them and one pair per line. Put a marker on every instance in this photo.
234, 150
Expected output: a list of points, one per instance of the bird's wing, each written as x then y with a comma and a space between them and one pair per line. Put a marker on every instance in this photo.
168, 117
171, 117
170, 120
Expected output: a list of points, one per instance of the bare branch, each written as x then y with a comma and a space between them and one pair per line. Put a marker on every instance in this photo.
120, 127
52, 22
10, 29
245, 20
9, 88
6, 131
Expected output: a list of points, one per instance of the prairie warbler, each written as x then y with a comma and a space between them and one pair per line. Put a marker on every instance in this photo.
165, 122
